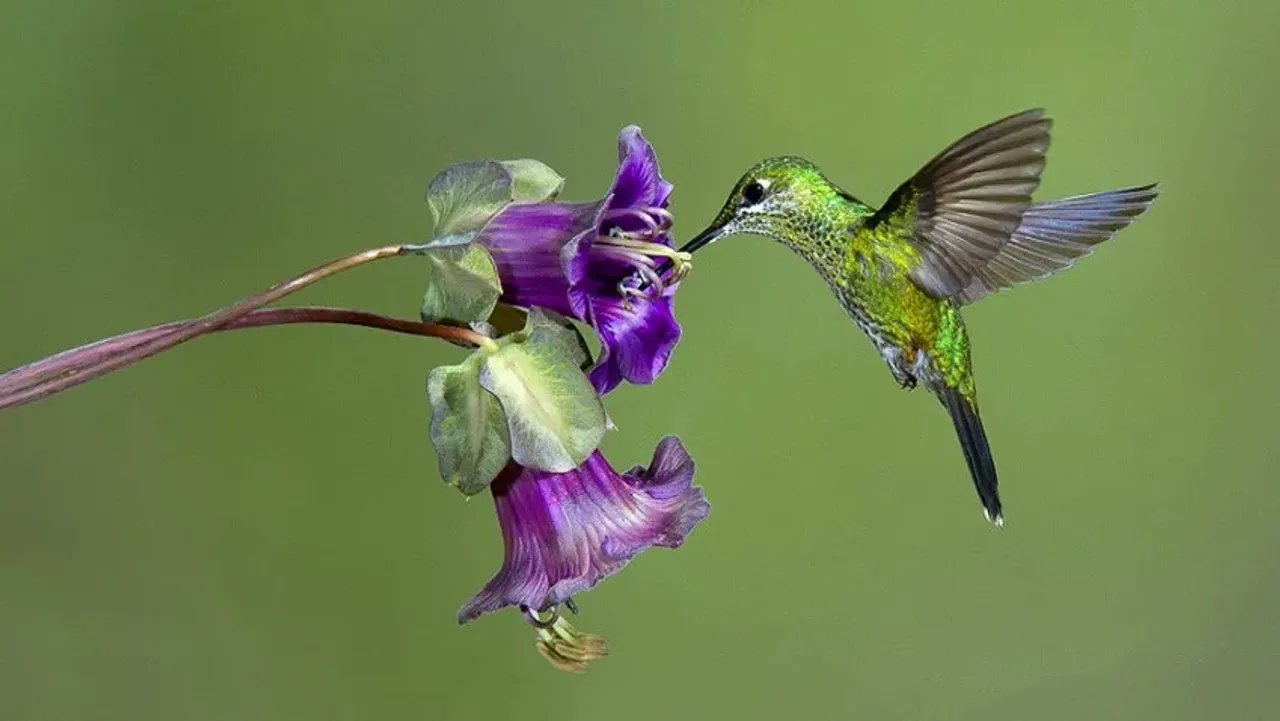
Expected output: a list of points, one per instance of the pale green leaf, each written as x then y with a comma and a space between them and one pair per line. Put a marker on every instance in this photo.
462, 284
464, 197
548, 326
555, 420
533, 181
468, 428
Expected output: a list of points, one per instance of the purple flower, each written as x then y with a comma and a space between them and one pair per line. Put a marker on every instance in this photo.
565, 532
609, 263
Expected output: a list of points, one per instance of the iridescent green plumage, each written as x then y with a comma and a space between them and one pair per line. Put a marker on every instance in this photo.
962, 227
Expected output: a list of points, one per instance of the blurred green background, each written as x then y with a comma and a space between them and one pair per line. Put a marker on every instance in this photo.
252, 527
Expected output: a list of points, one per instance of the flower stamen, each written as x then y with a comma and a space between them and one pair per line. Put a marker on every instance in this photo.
640, 254
650, 283
653, 280
664, 216
618, 240
564, 646
532, 617
623, 255
658, 220
680, 271
655, 250
618, 213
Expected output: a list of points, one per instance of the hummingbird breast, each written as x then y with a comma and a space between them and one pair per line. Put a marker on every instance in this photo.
904, 361
900, 319
868, 272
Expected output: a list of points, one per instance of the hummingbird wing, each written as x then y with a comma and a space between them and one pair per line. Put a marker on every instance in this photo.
961, 208
1054, 235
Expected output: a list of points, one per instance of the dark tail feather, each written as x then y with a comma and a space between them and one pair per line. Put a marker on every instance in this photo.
977, 452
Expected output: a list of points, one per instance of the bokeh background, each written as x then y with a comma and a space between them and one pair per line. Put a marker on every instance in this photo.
253, 527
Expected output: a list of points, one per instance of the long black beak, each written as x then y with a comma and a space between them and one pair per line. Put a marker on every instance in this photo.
703, 238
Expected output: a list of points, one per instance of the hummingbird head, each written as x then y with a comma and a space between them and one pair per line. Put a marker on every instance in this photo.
775, 198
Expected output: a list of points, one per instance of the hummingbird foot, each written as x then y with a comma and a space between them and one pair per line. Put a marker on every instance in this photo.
905, 378
893, 357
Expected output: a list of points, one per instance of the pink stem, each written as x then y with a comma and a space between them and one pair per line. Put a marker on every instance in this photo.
69, 368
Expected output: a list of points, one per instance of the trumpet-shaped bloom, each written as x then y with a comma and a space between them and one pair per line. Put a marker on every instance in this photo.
609, 263
565, 532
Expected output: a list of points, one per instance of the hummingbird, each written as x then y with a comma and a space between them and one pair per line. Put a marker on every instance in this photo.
962, 228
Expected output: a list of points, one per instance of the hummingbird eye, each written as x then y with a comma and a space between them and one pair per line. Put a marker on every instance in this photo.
754, 192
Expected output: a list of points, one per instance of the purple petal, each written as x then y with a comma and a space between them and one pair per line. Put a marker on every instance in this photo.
576, 261
527, 244
638, 182
565, 532
605, 374
636, 343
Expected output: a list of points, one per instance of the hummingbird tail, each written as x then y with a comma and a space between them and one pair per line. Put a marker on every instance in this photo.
977, 451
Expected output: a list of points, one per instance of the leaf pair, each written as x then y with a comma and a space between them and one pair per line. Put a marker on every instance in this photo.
464, 197
525, 400
463, 284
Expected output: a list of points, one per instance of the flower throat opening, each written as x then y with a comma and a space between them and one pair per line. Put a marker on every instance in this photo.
641, 250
